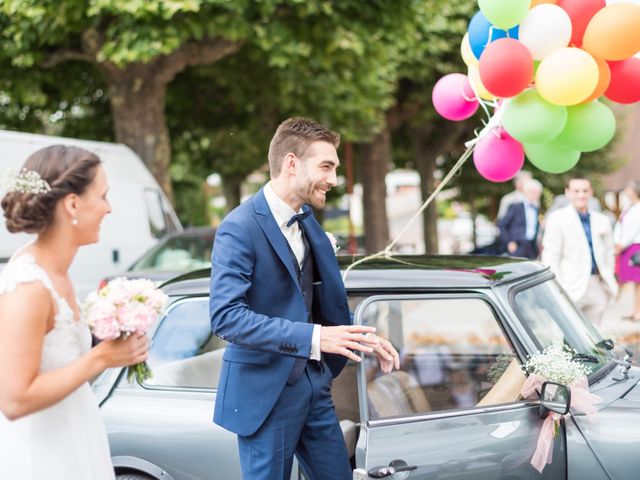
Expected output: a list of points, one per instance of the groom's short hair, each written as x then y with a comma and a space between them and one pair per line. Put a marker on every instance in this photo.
295, 135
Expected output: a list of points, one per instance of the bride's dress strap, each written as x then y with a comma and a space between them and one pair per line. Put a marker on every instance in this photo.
24, 269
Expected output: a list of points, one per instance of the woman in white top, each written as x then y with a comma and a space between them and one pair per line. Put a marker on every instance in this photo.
50, 424
626, 236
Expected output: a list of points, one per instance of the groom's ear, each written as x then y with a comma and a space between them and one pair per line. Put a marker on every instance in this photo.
290, 164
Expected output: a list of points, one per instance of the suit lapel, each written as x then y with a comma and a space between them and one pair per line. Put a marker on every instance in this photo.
271, 230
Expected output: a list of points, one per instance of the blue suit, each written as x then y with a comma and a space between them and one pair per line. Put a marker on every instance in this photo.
257, 305
513, 228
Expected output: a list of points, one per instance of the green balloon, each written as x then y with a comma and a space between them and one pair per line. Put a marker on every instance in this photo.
529, 118
504, 14
551, 157
589, 127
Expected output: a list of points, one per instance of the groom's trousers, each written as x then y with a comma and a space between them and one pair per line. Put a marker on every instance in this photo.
303, 422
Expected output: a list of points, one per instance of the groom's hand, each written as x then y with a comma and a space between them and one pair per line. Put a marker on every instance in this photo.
341, 340
387, 355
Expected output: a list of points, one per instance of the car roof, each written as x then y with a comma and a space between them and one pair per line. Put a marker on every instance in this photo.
402, 272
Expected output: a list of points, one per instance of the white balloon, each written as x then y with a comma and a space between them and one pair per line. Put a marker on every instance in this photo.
545, 29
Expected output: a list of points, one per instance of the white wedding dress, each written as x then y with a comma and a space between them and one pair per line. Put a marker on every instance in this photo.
66, 441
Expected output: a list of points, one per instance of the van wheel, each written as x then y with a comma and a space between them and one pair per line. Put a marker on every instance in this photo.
133, 476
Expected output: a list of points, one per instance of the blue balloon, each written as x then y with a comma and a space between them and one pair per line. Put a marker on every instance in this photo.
482, 32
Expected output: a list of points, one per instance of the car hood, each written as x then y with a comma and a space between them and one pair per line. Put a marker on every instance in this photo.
613, 432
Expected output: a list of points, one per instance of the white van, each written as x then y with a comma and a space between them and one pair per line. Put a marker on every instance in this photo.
140, 211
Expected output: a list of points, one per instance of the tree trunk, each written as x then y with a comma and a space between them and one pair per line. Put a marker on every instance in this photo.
376, 157
137, 105
425, 162
231, 188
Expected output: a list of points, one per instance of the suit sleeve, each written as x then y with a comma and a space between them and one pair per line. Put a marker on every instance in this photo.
504, 224
232, 320
609, 251
552, 244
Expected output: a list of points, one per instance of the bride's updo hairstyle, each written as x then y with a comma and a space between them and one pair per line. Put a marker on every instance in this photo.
66, 170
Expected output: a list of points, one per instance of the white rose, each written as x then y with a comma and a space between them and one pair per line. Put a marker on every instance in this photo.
334, 242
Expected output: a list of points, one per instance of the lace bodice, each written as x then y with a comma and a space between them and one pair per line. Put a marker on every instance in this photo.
69, 339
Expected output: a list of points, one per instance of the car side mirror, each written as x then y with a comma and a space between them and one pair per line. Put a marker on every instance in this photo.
555, 397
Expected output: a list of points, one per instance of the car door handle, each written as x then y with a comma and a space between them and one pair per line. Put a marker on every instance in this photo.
394, 467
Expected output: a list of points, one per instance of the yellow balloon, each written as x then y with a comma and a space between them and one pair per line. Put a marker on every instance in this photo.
567, 76
535, 3
467, 54
476, 83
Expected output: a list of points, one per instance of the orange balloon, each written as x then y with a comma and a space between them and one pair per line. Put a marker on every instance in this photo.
538, 2
614, 32
604, 79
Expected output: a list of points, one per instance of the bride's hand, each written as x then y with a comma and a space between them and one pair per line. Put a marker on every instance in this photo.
123, 352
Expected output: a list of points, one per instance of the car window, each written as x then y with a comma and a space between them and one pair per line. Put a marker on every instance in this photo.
179, 253
453, 355
551, 317
184, 352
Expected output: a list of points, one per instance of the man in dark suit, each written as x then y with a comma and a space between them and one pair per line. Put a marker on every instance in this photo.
277, 297
520, 225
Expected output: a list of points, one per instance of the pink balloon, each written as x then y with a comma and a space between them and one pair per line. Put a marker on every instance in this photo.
498, 156
453, 97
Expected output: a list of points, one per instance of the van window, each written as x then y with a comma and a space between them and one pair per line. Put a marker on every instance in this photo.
157, 213
453, 356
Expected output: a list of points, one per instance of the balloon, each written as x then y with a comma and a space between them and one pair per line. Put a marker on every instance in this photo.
614, 32
453, 97
566, 77
589, 127
476, 83
545, 29
540, 2
551, 157
531, 119
604, 78
467, 54
580, 12
504, 13
506, 67
481, 33
625, 81
497, 156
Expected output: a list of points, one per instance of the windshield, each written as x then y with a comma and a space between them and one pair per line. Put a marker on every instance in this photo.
178, 254
550, 317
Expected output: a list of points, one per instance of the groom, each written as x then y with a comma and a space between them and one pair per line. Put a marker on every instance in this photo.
278, 299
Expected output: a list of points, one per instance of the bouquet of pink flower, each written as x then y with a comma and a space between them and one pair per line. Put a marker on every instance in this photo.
124, 307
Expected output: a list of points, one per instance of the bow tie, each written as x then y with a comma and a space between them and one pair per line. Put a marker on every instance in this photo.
298, 217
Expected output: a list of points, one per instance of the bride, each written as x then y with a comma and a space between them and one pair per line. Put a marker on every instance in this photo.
50, 424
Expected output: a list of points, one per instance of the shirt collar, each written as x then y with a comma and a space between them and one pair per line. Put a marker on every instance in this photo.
280, 210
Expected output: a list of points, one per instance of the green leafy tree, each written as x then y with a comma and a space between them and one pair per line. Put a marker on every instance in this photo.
138, 48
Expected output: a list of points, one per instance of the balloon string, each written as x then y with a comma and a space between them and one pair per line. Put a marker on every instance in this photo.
386, 252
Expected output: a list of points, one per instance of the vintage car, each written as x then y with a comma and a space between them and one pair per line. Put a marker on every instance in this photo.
463, 326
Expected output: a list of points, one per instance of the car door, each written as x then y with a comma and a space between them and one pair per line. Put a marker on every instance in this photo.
168, 421
453, 409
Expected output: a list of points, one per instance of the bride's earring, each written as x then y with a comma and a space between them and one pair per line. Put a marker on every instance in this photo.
74, 221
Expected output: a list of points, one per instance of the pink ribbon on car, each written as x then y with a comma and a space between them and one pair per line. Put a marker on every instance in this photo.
582, 400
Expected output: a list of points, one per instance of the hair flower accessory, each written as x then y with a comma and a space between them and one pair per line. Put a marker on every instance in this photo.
23, 181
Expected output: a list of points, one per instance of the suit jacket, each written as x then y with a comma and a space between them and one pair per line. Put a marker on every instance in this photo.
513, 228
565, 249
256, 304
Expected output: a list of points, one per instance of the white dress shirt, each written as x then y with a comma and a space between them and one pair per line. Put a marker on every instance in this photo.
282, 213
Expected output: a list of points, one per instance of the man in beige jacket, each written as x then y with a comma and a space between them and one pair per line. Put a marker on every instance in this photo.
578, 246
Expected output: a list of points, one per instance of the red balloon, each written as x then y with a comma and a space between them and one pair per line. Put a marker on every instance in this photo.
625, 81
581, 12
506, 67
